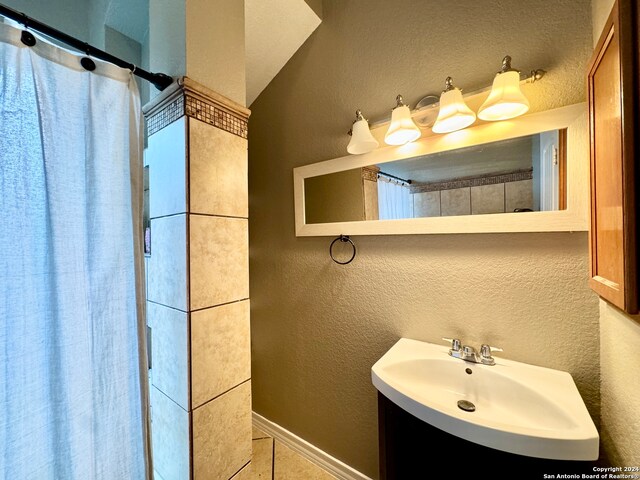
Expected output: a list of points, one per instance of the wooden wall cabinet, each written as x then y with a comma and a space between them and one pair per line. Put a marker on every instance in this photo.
613, 83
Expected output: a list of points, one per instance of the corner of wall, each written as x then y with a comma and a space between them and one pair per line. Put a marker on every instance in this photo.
599, 12
316, 6
619, 364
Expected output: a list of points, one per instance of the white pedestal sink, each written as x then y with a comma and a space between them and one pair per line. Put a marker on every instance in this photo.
519, 408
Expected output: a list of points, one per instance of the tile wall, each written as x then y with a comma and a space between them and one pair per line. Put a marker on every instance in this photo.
198, 294
474, 200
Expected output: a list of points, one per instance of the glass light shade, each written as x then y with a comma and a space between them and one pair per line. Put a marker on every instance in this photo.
401, 129
454, 113
506, 100
361, 139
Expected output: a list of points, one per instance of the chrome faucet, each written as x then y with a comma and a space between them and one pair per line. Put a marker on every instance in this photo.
469, 354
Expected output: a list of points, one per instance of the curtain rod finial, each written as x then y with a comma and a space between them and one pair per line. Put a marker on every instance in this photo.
161, 81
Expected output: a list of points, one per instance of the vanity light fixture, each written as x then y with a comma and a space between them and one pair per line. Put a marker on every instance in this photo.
448, 111
401, 129
454, 113
506, 100
361, 139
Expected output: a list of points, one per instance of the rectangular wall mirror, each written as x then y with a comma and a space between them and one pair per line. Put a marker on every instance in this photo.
523, 174
527, 174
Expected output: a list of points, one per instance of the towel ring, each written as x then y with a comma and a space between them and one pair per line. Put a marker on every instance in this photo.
342, 238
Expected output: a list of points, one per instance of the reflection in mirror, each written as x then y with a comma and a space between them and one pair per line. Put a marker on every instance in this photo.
521, 174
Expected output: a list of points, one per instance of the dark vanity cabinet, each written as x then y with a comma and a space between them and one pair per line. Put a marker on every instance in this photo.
613, 83
411, 449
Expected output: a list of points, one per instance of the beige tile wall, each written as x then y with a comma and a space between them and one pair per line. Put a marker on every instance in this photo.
426, 204
169, 352
167, 292
219, 260
219, 289
198, 307
497, 198
218, 171
487, 199
518, 195
167, 308
222, 435
167, 153
170, 426
455, 202
220, 350
370, 191
168, 261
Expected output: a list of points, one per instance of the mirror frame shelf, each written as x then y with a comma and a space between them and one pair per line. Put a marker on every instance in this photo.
574, 218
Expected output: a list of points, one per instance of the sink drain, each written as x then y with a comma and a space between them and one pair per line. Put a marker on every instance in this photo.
466, 406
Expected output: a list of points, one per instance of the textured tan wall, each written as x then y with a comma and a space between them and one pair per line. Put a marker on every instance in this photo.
215, 54
316, 6
620, 364
200, 39
317, 327
337, 197
619, 357
600, 10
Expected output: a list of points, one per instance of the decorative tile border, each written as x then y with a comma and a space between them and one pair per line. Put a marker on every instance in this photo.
514, 176
370, 173
217, 117
169, 114
186, 97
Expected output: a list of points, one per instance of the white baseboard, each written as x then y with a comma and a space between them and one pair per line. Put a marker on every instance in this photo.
312, 453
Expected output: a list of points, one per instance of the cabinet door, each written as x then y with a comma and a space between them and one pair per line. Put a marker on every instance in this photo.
613, 89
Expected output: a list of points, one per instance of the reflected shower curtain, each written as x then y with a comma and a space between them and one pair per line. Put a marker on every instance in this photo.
394, 199
72, 382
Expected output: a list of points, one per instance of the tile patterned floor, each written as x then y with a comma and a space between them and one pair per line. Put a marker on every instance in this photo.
272, 460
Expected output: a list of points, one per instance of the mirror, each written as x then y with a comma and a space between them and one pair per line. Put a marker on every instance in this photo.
523, 174
527, 174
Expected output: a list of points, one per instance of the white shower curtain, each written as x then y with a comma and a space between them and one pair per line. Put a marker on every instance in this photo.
394, 199
72, 380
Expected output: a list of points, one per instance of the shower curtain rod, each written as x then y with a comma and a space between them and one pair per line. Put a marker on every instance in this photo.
160, 80
394, 177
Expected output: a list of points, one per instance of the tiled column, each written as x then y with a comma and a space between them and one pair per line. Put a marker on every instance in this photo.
198, 284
